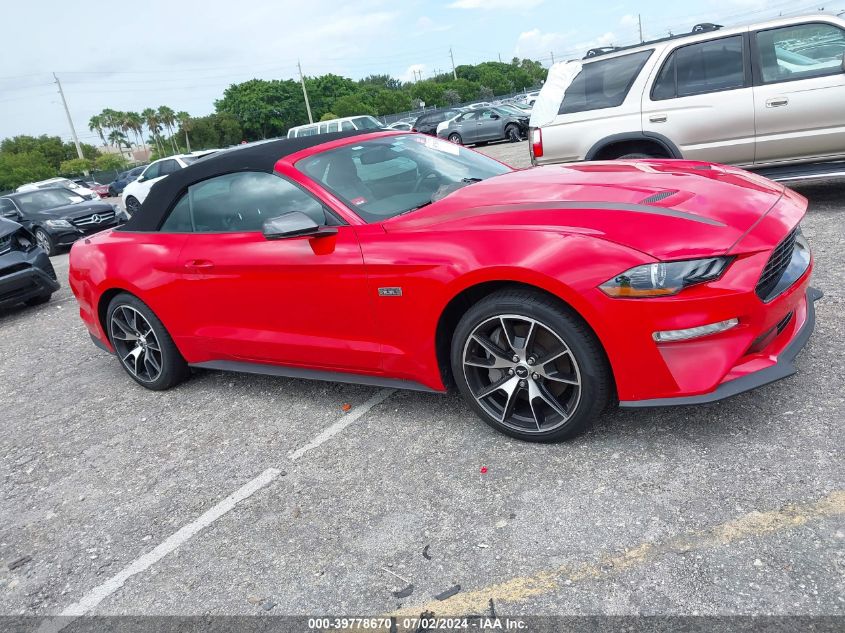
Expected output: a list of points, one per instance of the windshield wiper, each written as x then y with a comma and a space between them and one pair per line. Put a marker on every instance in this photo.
424, 204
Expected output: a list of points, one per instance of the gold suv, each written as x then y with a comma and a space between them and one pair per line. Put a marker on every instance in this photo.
770, 97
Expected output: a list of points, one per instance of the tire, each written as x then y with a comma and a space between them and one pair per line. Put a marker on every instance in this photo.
132, 205
157, 365
45, 241
112, 193
39, 300
455, 138
512, 133
578, 379
635, 155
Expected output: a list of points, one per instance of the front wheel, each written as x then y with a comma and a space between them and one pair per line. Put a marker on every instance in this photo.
132, 205
143, 345
46, 242
512, 133
530, 368
456, 138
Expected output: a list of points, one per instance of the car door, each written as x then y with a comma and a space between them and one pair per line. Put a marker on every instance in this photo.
146, 180
799, 92
299, 301
489, 126
703, 101
465, 125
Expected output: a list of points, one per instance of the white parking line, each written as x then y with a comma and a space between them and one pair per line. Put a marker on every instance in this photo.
94, 597
341, 424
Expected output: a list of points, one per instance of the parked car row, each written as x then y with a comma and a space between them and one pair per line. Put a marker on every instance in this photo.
135, 192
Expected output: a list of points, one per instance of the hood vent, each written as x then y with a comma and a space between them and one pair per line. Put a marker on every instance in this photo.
657, 197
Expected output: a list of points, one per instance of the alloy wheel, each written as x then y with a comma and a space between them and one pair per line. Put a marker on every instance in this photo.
43, 240
521, 373
136, 343
132, 206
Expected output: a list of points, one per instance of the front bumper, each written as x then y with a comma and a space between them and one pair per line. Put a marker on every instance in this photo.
24, 276
783, 366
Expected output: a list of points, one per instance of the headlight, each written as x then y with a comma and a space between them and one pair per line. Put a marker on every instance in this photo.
58, 224
665, 278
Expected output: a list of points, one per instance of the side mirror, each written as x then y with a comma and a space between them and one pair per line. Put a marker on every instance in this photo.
494, 116
139, 179
293, 224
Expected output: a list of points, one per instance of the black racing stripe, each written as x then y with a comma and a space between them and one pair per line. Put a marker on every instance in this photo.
603, 206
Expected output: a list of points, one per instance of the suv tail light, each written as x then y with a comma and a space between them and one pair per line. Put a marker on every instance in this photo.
536, 142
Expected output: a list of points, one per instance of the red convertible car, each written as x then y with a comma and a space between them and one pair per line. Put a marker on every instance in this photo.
399, 259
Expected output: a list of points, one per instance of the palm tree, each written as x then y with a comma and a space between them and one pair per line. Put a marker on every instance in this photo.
151, 119
168, 117
95, 124
136, 125
184, 120
118, 138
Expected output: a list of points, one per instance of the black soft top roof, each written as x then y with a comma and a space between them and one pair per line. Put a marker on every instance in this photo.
260, 156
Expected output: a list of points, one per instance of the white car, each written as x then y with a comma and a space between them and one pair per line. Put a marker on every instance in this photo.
79, 190
136, 192
402, 126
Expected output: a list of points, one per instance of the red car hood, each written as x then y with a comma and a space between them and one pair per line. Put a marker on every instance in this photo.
667, 209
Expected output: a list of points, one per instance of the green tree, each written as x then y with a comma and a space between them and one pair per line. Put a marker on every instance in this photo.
184, 120
215, 130
264, 108
95, 124
17, 169
451, 97
352, 105
153, 124
75, 166
328, 116
110, 162
167, 117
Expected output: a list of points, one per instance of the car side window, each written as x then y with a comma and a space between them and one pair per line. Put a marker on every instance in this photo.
153, 171
800, 51
346, 126
711, 66
7, 208
168, 167
241, 202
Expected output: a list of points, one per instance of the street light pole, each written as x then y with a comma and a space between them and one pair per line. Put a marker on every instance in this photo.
304, 92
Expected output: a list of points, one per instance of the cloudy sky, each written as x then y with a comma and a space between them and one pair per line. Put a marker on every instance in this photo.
184, 53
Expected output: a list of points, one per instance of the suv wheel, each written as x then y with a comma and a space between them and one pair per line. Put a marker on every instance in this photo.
45, 241
456, 138
529, 368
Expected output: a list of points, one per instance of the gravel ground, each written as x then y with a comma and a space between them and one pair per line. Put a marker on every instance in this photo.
730, 508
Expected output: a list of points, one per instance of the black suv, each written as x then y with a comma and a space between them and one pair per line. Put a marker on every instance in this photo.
427, 122
58, 217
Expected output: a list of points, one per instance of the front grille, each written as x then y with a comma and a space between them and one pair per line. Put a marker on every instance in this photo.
777, 264
93, 220
8, 270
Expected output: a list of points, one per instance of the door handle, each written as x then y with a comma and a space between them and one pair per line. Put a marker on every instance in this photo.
199, 264
776, 102
658, 118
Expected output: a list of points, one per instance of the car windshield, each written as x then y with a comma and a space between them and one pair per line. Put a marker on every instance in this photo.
35, 201
366, 123
385, 177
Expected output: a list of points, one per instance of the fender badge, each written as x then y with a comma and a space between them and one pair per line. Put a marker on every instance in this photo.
390, 292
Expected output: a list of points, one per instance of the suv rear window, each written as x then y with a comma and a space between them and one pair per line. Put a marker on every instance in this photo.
603, 84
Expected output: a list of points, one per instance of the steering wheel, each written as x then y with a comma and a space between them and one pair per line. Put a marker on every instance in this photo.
423, 176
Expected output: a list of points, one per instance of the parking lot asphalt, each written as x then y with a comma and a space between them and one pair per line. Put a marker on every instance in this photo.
732, 508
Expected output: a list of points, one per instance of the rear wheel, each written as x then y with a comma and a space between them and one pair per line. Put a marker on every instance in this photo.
456, 138
143, 345
45, 241
132, 205
512, 133
529, 368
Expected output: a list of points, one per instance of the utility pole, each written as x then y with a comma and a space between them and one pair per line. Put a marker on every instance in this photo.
553, 58
500, 58
304, 92
640, 20
69, 120
454, 73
